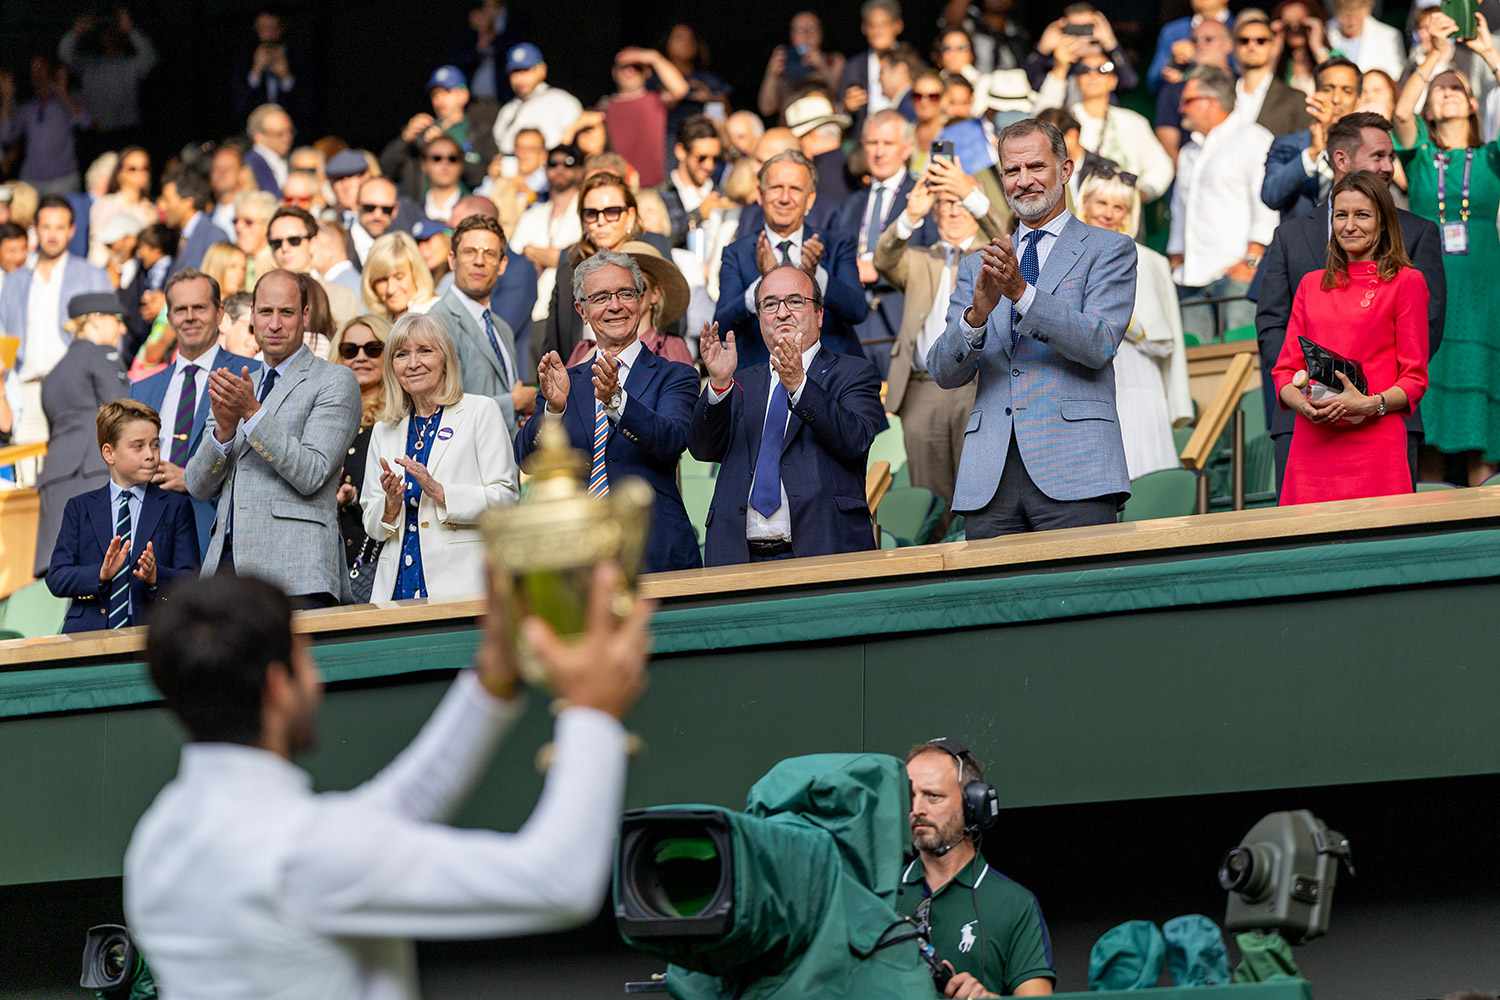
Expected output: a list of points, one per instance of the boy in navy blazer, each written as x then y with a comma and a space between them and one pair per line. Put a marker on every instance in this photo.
793, 436
625, 408
122, 544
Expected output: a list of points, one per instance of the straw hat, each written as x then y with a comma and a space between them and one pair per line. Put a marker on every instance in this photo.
807, 113
665, 276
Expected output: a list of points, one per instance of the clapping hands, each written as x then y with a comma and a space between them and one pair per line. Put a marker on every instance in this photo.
720, 357
552, 382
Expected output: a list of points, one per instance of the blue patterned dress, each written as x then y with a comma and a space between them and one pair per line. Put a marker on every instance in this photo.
420, 433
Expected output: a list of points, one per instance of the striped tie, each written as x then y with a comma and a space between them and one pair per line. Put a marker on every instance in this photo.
598, 474
182, 423
119, 584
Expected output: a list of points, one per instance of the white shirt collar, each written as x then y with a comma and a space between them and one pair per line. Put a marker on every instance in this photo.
138, 492
1055, 227
205, 361
286, 365
691, 196
475, 309
891, 184
626, 358
192, 224
796, 238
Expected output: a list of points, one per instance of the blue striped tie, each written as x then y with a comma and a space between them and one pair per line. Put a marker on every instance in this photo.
119, 584
598, 474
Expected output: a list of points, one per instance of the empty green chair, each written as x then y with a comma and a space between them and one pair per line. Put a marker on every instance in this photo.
888, 540
1168, 493
697, 494
889, 446
1246, 332
910, 513
33, 611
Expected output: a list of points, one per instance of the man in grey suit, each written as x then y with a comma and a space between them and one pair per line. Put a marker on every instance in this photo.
485, 342
1039, 330
273, 450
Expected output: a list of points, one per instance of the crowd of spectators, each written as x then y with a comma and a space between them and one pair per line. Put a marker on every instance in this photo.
348, 350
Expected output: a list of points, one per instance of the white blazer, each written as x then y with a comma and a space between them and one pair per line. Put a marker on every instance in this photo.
473, 460
1379, 47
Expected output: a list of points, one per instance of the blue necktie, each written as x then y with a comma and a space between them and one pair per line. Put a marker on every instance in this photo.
765, 495
267, 383
119, 584
598, 469
489, 331
1030, 271
872, 228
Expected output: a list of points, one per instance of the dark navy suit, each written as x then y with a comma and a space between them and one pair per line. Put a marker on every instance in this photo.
823, 456
823, 215
514, 296
265, 177
884, 321
1286, 187
152, 391
648, 442
88, 526
844, 305
205, 234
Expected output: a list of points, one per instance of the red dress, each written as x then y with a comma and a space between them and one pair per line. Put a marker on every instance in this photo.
1383, 326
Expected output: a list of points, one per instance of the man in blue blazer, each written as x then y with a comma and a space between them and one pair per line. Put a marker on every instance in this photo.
625, 408
185, 201
1038, 324
1297, 175
179, 392
788, 188
792, 435
514, 294
123, 543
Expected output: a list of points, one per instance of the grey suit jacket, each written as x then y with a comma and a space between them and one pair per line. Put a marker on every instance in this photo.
1056, 390
281, 481
79, 276
477, 363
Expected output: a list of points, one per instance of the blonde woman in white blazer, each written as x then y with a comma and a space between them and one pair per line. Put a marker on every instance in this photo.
438, 458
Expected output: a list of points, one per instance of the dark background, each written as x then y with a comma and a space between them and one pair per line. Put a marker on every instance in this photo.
374, 56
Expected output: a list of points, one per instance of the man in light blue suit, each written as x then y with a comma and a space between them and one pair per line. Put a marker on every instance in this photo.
1038, 322
179, 392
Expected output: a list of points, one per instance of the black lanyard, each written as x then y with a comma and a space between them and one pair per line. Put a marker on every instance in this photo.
1440, 163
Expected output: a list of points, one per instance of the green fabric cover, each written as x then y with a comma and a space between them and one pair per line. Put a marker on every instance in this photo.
1346, 567
1196, 955
817, 857
1264, 957
1286, 989
1128, 956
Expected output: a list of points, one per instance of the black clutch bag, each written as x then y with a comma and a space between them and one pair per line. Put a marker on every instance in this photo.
1323, 363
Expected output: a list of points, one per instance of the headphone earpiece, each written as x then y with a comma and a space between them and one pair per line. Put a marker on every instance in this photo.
981, 802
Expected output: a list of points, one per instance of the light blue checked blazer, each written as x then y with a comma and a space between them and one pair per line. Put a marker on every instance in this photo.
1057, 390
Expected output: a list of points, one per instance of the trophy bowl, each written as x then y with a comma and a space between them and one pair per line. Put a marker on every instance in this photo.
542, 551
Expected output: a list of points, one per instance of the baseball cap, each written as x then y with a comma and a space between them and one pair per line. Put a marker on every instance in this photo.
523, 56
346, 163
448, 78
567, 149
426, 229
89, 303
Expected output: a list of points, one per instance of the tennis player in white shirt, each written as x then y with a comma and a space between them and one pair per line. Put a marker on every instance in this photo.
241, 882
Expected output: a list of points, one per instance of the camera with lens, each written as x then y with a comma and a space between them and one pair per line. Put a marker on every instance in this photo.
113, 967
1282, 876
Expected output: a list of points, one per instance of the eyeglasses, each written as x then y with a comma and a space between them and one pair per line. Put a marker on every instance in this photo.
917, 95
444, 158
566, 161
382, 209
771, 305
290, 241
1253, 40
963, 47
1104, 68
373, 349
1107, 171
479, 253
625, 296
611, 214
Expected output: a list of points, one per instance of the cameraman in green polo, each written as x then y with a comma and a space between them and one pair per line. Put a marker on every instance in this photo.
988, 928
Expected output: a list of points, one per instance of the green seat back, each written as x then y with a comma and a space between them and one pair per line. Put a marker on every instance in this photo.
1246, 332
1168, 493
697, 494
889, 446
690, 468
1430, 487
33, 611
911, 514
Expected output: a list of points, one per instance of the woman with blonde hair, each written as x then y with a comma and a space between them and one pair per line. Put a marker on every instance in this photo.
359, 346
1151, 378
226, 264
396, 279
1454, 179
452, 460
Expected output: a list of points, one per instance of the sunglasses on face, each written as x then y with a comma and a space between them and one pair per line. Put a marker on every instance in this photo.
298, 199
961, 47
1253, 40
1103, 69
444, 158
918, 95
382, 209
566, 161
611, 214
373, 349
1107, 171
289, 241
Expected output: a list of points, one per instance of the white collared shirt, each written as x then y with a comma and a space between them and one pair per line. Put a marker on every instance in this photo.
278, 165
794, 253
205, 364
1216, 206
441, 209
1044, 246
46, 341
1247, 103
625, 359
692, 197
239, 880
547, 109
477, 311
877, 99
937, 316
777, 527
886, 191
362, 241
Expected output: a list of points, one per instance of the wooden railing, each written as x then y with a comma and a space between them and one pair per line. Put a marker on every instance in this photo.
13, 453
1211, 423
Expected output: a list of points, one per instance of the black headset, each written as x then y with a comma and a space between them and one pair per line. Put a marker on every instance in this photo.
981, 801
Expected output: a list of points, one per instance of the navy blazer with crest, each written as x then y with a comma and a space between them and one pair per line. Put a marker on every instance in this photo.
88, 527
648, 442
152, 391
823, 456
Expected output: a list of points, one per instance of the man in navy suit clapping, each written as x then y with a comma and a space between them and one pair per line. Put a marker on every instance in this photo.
788, 188
792, 436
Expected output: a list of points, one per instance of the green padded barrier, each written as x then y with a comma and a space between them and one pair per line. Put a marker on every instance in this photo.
1292, 989
1246, 332
1168, 493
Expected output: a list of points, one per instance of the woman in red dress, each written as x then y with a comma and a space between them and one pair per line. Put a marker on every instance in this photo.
1370, 306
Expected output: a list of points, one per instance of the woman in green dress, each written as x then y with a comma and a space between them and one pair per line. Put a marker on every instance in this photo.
1455, 181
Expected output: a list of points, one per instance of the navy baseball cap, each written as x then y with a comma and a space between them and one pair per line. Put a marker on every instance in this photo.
426, 229
88, 303
523, 56
448, 78
346, 163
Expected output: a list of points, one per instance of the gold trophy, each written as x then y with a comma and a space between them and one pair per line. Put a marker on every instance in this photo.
543, 550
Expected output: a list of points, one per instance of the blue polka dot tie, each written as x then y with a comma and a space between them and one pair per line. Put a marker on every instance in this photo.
1030, 270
